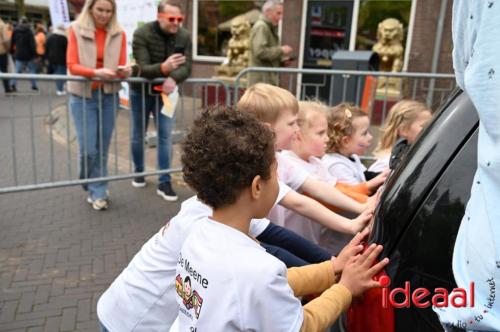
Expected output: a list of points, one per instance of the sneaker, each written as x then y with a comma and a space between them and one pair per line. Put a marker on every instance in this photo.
61, 93
165, 190
98, 204
139, 182
34, 88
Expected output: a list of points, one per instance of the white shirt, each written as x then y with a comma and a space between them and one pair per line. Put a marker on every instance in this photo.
315, 169
234, 284
476, 257
380, 164
290, 177
142, 297
344, 169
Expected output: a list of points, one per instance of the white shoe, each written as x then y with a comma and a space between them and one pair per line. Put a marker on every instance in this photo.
61, 93
98, 204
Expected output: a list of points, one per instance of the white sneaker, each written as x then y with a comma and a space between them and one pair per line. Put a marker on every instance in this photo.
98, 204
61, 93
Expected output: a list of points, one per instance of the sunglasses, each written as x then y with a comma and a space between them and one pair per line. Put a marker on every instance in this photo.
171, 18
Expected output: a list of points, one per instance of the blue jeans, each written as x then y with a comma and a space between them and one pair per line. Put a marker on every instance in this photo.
58, 70
94, 120
21, 66
140, 121
291, 248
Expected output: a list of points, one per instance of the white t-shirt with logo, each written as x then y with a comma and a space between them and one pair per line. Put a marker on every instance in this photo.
225, 281
346, 170
142, 297
315, 169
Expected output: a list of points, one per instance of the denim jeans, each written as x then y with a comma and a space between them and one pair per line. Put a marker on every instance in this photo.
58, 70
140, 121
94, 120
21, 66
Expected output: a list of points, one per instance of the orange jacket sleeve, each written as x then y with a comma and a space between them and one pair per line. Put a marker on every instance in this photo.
72, 60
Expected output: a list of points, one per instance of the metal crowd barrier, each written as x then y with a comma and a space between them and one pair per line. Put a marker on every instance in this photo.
358, 87
39, 149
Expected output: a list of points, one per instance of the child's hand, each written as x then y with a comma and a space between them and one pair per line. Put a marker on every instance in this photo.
353, 248
358, 272
379, 180
361, 221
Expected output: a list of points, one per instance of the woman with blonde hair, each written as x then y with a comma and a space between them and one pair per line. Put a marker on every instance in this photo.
96, 49
406, 120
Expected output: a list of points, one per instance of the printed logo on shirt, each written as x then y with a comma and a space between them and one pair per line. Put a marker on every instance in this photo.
191, 299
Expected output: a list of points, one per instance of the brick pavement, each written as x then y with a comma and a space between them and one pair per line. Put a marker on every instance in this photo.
57, 255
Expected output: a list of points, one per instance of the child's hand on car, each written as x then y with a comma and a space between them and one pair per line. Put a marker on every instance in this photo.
353, 248
359, 271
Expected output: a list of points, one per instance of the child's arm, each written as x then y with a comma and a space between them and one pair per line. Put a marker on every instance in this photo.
313, 210
316, 278
356, 278
377, 181
330, 195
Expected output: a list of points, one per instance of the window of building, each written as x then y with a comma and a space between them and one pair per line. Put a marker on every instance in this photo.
212, 26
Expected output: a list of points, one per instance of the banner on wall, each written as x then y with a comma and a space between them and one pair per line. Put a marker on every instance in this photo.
131, 15
59, 13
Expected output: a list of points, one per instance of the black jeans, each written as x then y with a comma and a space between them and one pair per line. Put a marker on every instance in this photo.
291, 248
3, 69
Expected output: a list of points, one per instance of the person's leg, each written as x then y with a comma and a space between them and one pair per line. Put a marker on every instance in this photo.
19, 69
59, 70
106, 111
283, 255
164, 126
3, 69
33, 70
141, 105
84, 115
294, 243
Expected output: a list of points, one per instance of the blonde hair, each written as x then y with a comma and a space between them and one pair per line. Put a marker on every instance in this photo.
401, 116
268, 102
85, 19
340, 124
307, 109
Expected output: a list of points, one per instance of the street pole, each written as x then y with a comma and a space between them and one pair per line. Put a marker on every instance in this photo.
21, 8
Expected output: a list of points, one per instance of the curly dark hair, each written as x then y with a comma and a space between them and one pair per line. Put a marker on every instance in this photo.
223, 152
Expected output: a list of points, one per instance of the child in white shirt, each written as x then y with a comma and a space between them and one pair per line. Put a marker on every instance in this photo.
349, 136
406, 120
307, 147
278, 108
224, 280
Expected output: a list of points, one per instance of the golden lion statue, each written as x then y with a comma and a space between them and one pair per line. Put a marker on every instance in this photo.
390, 49
238, 48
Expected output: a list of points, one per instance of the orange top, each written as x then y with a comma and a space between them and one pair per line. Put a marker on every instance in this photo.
40, 43
73, 62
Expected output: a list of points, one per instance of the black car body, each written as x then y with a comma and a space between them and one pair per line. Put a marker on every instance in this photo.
422, 206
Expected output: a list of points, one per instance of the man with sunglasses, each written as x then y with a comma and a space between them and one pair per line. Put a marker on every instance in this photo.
161, 48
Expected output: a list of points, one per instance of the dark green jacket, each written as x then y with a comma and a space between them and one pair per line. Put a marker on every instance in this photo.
151, 46
265, 51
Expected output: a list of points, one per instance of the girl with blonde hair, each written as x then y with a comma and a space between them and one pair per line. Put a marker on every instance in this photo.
406, 120
349, 137
96, 49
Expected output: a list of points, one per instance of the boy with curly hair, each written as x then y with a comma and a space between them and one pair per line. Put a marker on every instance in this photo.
229, 161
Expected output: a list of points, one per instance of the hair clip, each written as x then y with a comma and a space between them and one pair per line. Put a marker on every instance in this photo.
348, 113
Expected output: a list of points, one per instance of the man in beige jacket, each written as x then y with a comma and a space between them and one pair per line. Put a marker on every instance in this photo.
4, 51
265, 49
